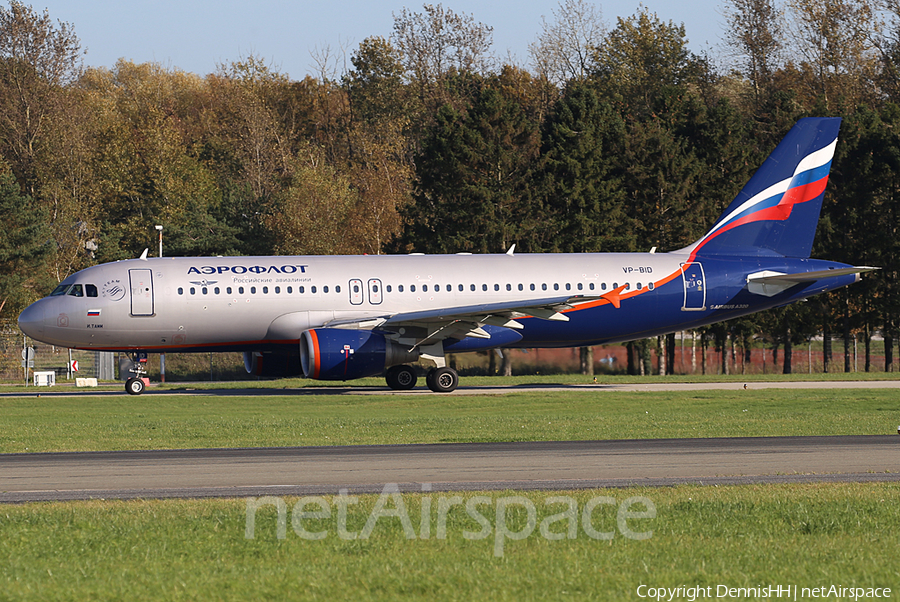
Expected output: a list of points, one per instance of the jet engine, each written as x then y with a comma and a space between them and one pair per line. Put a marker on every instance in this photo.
276, 363
337, 354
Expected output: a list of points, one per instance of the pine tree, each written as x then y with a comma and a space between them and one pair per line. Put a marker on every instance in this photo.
25, 246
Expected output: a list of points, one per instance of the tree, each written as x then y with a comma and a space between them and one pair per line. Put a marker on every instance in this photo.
643, 56
580, 176
36, 60
311, 214
436, 47
834, 39
380, 168
564, 50
473, 172
25, 246
755, 32
148, 174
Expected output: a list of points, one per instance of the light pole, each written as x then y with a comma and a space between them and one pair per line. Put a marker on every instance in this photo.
159, 229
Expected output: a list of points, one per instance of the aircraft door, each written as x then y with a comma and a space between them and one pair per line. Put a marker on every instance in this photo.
141, 292
694, 287
375, 291
356, 292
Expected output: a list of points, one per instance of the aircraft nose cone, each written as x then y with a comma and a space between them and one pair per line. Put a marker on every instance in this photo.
31, 321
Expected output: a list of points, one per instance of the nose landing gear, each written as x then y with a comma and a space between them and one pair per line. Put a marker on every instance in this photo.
135, 385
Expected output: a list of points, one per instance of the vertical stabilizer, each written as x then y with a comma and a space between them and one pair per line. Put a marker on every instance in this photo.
776, 213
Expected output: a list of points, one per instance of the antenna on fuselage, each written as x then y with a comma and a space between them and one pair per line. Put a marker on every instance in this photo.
143, 256
512, 250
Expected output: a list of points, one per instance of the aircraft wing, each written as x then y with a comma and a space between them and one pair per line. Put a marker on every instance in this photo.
426, 327
770, 283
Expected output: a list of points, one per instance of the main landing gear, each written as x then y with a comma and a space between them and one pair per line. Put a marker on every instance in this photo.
135, 384
439, 380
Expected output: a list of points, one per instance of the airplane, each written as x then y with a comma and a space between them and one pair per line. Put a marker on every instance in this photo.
348, 317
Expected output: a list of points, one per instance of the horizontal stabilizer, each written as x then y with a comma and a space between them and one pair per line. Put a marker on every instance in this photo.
769, 283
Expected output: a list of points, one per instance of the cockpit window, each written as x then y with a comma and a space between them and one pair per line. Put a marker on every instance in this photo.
60, 290
76, 291
90, 290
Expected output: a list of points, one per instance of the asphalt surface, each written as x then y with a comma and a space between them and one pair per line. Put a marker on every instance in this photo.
445, 467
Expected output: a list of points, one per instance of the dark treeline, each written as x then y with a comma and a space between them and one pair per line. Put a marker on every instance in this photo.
613, 138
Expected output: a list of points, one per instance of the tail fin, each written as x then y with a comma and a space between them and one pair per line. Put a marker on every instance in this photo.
776, 213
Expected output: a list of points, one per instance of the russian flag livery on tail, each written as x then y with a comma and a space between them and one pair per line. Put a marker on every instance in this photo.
777, 211
347, 317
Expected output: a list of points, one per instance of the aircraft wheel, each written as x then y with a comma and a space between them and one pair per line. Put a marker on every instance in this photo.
401, 378
443, 380
134, 386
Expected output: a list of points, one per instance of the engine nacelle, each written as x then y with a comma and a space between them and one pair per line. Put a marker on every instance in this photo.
278, 363
337, 354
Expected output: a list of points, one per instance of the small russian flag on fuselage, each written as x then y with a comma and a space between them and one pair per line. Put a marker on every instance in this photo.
93, 312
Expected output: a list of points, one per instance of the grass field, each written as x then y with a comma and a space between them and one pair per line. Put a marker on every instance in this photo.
750, 536
34, 424
807, 536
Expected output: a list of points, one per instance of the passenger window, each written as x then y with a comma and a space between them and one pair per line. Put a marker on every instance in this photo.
580, 286
532, 286
521, 288
555, 286
543, 287
325, 289
312, 290
461, 287
484, 287
90, 290
568, 286
388, 288
591, 286
180, 290
193, 291
217, 290
252, 290
639, 286
337, 289
472, 287
228, 290
76, 291
650, 286
301, 289
496, 287
241, 290
449, 288
424, 288
277, 290
290, 290
399, 288
603, 286
265, 290
204, 290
